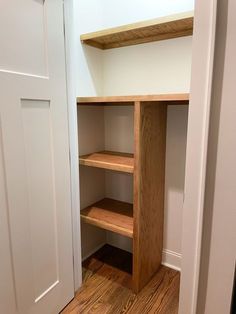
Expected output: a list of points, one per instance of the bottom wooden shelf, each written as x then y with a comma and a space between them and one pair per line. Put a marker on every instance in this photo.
114, 260
111, 215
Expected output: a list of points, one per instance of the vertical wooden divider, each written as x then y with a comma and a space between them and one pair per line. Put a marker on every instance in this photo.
149, 186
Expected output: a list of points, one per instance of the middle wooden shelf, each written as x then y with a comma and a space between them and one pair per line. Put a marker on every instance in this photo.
123, 162
110, 215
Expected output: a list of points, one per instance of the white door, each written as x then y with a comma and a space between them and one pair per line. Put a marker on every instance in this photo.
36, 269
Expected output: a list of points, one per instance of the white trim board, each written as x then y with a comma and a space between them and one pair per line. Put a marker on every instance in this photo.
70, 9
196, 154
171, 259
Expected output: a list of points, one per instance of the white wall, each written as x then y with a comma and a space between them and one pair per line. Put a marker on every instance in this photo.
159, 67
119, 136
92, 180
94, 15
89, 78
123, 12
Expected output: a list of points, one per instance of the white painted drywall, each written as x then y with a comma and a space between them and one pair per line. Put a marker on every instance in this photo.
121, 12
89, 78
119, 136
92, 180
159, 67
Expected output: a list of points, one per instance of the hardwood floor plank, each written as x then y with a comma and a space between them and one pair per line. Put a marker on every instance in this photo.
155, 296
106, 282
71, 306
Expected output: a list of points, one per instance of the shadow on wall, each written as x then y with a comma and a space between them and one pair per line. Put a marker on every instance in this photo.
177, 120
94, 69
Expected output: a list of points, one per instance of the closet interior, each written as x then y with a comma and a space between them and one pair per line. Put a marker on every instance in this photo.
122, 156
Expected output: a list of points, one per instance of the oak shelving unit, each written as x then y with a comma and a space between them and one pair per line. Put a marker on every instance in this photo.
167, 27
142, 221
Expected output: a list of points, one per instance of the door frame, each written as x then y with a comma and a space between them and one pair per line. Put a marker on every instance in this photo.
70, 20
196, 154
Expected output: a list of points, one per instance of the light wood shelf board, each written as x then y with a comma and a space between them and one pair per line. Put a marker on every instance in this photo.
122, 162
110, 215
162, 28
178, 98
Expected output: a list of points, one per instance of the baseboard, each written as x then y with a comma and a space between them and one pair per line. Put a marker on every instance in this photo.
171, 259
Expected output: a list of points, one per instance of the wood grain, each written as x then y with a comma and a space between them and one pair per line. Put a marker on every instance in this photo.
167, 27
111, 215
106, 282
109, 160
180, 98
149, 176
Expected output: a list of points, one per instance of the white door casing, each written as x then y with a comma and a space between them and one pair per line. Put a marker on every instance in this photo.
196, 153
36, 273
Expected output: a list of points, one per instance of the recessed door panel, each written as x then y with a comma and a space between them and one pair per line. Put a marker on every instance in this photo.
37, 125
7, 296
23, 36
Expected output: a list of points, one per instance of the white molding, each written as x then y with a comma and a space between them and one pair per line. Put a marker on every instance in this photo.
171, 259
196, 154
70, 11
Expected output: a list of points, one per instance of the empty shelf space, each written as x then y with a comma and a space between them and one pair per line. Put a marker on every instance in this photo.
180, 98
109, 160
111, 215
162, 28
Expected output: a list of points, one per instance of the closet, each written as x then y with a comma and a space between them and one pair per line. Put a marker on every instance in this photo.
122, 147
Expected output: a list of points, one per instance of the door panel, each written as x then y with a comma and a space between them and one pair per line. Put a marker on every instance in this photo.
7, 295
27, 51
34, 158
38, 144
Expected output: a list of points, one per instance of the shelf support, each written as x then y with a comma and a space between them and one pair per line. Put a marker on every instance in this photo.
149, 187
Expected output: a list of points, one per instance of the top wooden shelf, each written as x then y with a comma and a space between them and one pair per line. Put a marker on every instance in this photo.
130, 100
162, 28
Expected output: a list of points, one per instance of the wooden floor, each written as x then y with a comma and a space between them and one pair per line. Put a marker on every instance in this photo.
106, 282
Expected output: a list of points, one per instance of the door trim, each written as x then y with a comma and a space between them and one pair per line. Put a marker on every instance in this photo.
196, 154
70, 9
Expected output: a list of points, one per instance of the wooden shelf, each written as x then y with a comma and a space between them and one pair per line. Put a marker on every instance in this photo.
182, 98
109, 160
145, 219
167, 27
111, 215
